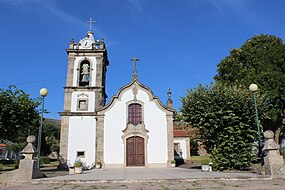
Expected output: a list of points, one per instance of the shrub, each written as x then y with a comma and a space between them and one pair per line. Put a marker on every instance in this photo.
99, 163
224, 116
78, 164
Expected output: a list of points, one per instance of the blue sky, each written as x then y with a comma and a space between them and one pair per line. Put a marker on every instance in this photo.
179, 42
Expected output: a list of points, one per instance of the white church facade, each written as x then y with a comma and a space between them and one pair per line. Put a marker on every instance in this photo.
133, 129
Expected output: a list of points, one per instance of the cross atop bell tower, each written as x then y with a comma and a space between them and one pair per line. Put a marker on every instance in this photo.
90, 21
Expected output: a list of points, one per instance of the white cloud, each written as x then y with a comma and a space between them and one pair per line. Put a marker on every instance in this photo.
46, 5
51, 7
16, 2
235, 5
136, 5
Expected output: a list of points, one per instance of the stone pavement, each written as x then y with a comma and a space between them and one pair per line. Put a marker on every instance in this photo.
147, 175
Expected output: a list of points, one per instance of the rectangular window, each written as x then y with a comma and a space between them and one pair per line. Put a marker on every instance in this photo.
135, 114
82, 105
80, 154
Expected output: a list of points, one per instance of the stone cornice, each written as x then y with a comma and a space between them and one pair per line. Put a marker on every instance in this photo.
84, 87
77, 113
169, 111
86, 50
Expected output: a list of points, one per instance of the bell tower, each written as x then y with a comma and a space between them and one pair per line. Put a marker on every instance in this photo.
87, 66
84, 92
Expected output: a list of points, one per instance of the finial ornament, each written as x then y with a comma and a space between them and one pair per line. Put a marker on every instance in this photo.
169, 102
90, 21
169, 93
135, 59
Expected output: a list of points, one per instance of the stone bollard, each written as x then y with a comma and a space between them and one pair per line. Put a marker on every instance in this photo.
28, 168
273, 162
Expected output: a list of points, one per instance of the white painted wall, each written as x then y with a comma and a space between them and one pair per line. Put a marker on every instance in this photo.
76, 70
116, 119
82, 137
183, 147
155, 122
91, 101
114, 123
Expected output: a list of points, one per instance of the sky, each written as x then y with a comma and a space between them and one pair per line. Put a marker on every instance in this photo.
179, 42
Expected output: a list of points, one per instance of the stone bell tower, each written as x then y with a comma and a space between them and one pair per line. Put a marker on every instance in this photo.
83, 94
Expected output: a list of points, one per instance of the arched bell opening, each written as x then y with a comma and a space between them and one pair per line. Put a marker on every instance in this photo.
84, 77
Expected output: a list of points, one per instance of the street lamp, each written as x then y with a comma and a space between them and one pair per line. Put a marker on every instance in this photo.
43, 93
253, 88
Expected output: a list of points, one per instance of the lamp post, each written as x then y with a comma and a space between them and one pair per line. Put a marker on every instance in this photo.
253, 88
43, 93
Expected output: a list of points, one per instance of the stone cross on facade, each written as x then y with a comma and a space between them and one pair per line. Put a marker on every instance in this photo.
90, 21
135, 59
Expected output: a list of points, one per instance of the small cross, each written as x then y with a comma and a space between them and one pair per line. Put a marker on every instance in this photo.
134, 59
90, 21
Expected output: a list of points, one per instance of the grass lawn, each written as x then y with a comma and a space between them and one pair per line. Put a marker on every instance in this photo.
7, 167
51, 164
49, 169
201, 159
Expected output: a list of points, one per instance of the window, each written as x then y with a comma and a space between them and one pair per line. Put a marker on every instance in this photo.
80, 154
135, 114
82, 104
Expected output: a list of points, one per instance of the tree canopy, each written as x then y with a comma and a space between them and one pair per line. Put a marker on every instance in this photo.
19, 118
224, 111
18, 115
260, 60
225, 118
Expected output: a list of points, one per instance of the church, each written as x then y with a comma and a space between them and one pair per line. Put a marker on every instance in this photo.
133, 129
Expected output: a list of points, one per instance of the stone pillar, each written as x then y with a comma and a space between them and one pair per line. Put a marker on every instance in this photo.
67, 99
273, 162
99, 99
169, 120
188, 149
100, 139
70, 69
63, 142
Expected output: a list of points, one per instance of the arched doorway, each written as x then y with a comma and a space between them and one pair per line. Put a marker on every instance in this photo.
135, 151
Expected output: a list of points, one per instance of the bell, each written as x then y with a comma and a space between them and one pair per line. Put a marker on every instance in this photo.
85, 78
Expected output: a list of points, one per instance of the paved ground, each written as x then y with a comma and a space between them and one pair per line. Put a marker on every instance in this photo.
164, 185
152, 179
143, 174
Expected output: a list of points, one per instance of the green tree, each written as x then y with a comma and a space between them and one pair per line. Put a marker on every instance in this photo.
18, 115
260, 60
225, 118
53, 143
51, 135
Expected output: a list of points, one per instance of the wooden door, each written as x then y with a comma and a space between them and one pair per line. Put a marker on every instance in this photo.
135, 151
